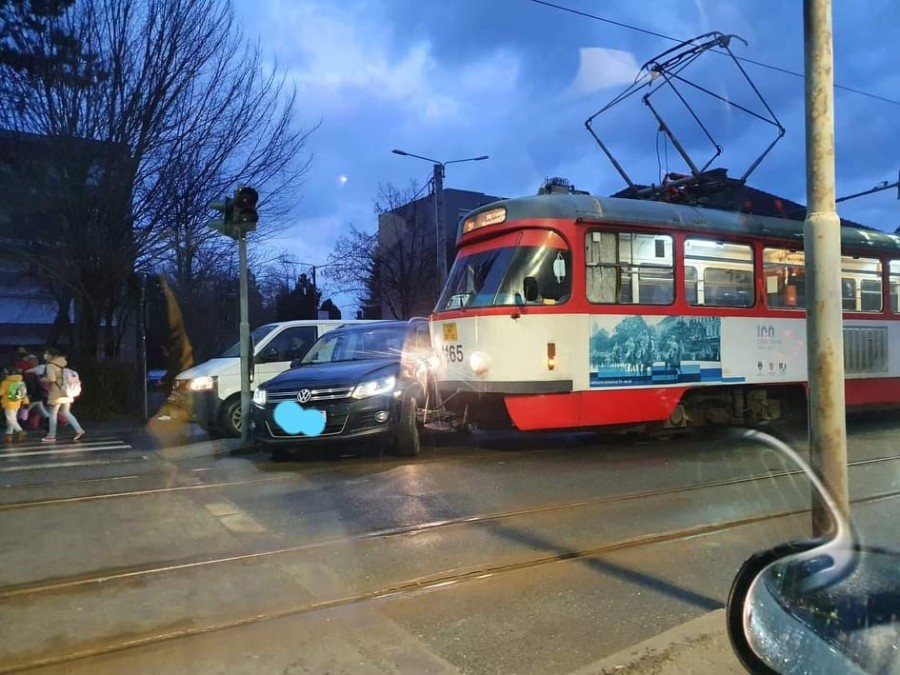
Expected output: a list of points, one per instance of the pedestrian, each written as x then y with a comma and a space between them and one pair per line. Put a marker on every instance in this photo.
37, 393
13, 395
22, 359
58, 398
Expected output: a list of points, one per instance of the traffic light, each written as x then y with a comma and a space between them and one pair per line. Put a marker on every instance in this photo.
225, 224
239, 214
245, 214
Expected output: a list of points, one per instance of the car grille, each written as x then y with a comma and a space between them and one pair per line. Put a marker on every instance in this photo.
318, 395
334, 425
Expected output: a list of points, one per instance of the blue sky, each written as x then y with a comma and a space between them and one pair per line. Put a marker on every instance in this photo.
516, 80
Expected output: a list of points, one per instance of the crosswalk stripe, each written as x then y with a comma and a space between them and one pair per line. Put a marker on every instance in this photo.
62, 465
64, 450
62, 442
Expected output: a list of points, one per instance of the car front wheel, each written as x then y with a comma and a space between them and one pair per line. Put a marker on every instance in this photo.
407, 442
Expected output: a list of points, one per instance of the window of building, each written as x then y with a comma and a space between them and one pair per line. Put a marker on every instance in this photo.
785, 278
629, 268
722, 273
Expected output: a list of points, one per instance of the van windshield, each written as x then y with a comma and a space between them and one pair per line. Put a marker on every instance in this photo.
234, 351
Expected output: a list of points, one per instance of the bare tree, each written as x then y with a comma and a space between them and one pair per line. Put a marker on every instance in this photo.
171, 110
23, 24
394, 266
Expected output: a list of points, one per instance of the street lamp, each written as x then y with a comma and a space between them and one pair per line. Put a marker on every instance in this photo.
440, 242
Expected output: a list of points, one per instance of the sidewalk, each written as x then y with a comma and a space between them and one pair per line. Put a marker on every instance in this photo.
698, 647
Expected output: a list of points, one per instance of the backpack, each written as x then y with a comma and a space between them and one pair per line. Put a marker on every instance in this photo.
17, 391
71, 383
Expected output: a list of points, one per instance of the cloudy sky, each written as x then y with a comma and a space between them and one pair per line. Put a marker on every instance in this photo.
515, 79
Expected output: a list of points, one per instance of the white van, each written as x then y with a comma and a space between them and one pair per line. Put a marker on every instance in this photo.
211, 391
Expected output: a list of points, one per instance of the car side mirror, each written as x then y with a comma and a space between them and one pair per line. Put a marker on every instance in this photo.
812, 607
530, 288
268, 355
818, 606
296, 363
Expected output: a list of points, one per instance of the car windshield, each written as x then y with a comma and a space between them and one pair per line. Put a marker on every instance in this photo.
357, 345
496, 277
234, 351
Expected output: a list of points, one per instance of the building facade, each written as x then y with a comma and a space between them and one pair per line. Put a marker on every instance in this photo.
408, 263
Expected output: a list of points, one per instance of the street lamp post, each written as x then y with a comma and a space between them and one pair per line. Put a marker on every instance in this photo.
440, 234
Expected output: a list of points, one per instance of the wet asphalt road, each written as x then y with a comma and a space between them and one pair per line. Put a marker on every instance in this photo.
492, 553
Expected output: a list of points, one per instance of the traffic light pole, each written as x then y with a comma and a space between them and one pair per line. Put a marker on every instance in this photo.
245, 340
239, 217
822, 246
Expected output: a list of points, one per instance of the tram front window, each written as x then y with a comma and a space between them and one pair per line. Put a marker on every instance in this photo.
496, 278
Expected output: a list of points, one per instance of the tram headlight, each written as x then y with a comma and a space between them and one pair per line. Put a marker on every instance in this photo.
480, 363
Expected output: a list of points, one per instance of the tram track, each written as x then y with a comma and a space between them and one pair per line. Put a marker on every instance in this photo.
160, 568
406, 589
355, 464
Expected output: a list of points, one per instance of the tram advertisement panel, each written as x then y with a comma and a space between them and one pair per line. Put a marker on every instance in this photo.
765, 350
654, 350
629, 351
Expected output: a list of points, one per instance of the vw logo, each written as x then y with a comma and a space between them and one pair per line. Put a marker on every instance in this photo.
304, 395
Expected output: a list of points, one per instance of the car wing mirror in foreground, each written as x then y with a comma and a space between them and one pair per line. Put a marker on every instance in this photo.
818, 606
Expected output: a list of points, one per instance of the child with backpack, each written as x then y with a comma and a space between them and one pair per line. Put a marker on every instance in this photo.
13, 394
63, 386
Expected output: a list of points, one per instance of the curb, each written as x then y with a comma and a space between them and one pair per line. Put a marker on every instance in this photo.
698, 647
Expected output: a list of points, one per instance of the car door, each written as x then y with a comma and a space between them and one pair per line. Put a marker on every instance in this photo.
276, 356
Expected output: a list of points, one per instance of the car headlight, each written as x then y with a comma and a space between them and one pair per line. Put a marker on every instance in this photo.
259, 398
201, 383
383, 385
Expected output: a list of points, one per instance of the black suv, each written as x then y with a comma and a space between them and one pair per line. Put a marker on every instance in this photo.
367, 381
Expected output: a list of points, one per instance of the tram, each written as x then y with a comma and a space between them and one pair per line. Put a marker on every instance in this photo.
568, 311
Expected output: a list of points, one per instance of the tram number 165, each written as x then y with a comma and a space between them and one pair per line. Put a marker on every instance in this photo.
453, 353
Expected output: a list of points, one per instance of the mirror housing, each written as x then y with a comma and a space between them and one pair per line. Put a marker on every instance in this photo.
530, 288
781, 619
821, 606
268, 355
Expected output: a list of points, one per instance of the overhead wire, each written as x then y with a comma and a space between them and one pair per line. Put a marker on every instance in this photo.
745, 59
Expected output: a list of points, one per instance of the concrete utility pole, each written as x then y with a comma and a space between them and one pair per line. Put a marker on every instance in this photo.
822, 246
440, 229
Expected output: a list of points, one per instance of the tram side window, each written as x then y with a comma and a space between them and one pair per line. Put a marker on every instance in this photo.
894, 271
725, 273
629, 268
785, 278
861, 284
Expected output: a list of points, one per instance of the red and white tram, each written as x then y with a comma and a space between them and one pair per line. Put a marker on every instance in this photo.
567, 311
